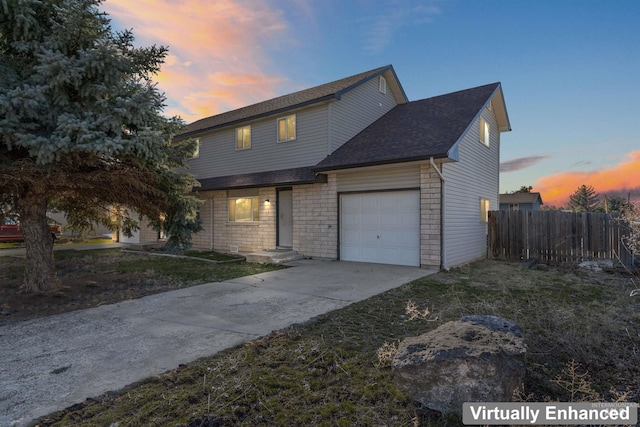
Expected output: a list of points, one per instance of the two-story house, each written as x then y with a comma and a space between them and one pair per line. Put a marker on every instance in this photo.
352, 170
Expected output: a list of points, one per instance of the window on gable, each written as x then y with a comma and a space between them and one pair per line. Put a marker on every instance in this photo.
485, 132
484, 210
382, 84
287, 128
243, 138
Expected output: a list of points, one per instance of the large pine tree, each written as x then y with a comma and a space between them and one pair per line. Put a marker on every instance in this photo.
81, 127
584, 199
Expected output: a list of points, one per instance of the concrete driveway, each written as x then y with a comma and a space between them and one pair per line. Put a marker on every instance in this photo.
51, 363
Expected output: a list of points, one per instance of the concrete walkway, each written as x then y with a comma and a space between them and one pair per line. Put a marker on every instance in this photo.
51, 363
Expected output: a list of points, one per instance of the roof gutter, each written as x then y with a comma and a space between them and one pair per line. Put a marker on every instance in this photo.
330, 168
443, 264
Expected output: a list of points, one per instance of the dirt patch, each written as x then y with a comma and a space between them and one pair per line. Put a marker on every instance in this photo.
79, 290
93, 278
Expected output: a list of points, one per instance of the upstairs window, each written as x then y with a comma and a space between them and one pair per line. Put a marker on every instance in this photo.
485, 132
243, 138
287, 128
382, 84
196, 153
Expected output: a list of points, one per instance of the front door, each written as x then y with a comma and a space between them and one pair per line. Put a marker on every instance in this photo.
285, 218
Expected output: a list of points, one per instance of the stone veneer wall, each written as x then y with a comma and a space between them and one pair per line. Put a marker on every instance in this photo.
146, 234
430, 212
247, 236
315, 219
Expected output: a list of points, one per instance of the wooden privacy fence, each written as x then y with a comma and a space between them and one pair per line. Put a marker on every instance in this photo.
557, 236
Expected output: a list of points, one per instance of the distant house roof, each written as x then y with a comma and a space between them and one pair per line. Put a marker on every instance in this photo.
262, 179
520, 198
322, 93
417, 130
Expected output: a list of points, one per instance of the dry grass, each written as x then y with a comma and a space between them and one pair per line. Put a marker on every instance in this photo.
326, 372
106, 276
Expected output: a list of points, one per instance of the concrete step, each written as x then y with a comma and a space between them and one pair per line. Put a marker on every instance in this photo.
276, 256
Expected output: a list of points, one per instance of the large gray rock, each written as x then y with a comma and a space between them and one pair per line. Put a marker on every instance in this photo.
475, 359
495, 323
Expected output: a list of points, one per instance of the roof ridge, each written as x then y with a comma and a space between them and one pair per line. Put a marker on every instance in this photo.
270, 106
495, 84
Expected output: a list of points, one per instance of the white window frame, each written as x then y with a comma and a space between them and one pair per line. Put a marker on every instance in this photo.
485, 206
485, 132
232, 212
382, 84
514, 206
287, 137
241, 139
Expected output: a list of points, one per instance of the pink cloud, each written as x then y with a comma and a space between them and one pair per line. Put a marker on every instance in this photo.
217, 48
619, 179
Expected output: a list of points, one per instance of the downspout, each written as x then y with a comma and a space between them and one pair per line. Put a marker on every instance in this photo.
329, 125
443, 264
211, 234
436, 169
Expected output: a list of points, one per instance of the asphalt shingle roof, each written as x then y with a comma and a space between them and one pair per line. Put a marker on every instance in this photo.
263, 179
283, 103
416, 130
520, 198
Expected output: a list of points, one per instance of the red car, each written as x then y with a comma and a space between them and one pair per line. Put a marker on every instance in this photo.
11, 231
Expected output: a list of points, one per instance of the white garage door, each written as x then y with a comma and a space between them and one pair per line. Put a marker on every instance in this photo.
381, 227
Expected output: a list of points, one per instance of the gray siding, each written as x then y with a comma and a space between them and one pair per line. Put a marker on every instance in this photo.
380, 178
475, 176
321, 129
356, 110
219, 157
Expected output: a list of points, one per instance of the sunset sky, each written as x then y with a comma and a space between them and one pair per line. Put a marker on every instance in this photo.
570, 69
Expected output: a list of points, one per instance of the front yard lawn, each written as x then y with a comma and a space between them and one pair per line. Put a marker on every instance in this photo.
326, 371
105, 276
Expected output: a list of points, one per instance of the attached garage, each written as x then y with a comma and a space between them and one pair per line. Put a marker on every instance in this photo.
381, 227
